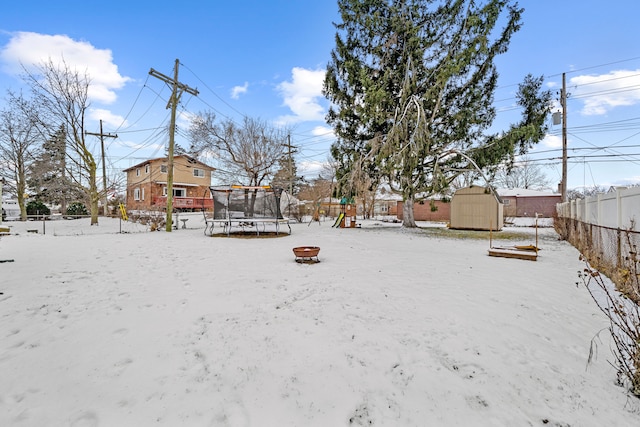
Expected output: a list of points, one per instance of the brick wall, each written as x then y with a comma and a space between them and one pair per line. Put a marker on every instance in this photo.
422, 211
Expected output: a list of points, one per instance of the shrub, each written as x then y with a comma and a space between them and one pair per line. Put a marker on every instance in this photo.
76, 209
36, 207
623, 312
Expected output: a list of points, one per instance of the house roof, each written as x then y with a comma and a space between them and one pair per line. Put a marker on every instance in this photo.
524, 192
189, 159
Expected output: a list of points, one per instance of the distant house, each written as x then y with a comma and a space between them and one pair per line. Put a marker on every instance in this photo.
476, 208
520, 202
147, 184
432, 209
385, 205
10, 210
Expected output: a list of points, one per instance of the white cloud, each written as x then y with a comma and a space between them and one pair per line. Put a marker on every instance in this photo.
108, 118
323, 131
302, 95
552, 141
236, 91
633, 180
27, 49
602, 93
310, 169
185, 118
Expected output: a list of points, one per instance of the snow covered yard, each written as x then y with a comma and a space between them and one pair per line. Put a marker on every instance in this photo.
393, 327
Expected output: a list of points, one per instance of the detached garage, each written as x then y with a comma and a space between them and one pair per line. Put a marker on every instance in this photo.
476, 208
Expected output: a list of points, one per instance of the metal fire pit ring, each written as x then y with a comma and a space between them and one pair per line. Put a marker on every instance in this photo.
307, 254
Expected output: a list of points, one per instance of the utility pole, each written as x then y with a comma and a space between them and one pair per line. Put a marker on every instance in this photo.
563, 102
290, 151
102, 135
176, 91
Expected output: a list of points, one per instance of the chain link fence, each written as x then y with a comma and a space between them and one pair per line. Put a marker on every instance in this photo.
613, 251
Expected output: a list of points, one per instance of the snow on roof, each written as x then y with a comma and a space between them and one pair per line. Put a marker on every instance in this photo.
523, 192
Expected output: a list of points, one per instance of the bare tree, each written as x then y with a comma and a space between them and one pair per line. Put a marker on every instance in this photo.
577, 193
329, 173
249, 152
63, 94
315, 191
524, 174
465, 179
365, 190
19, 140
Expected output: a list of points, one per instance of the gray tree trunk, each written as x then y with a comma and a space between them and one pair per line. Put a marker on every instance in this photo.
408, 219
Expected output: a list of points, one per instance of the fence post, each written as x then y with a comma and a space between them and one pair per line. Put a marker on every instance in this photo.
619, 247
619, 210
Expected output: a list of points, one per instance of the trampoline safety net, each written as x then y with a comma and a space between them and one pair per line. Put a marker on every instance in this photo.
238, 202
246, 209
245, 202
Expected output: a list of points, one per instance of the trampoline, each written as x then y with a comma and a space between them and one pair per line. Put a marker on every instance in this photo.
246, 210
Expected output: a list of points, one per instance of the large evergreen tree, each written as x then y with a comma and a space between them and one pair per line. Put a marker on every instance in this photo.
286, 177
48, 178
412, 83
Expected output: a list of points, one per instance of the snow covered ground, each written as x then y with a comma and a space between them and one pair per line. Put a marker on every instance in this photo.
393, 327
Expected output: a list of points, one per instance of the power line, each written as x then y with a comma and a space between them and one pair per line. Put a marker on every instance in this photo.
216, 95
309, 141
124, 120
598, 66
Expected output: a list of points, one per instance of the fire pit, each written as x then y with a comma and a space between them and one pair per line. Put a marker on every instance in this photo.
307, 254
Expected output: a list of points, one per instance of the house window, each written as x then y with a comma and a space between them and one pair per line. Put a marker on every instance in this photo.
198, 172
142, 197
136, 194
137, 171
506, 201
146, 169
163, 169
177, 192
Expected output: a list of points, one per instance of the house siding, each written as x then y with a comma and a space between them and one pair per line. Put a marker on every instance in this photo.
151, 181
475, 208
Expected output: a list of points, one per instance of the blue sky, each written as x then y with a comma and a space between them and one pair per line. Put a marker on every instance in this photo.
266, 60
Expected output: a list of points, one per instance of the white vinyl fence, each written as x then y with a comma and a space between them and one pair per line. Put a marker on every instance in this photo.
606, 229
619, 209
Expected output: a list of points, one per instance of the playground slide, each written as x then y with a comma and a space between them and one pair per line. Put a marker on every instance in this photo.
338, 221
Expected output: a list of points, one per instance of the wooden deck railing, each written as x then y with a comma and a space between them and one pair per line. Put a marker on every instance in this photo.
185, 202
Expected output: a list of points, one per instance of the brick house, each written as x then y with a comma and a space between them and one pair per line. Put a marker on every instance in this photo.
516, 203
147, 184
519, 202
427, 210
